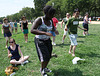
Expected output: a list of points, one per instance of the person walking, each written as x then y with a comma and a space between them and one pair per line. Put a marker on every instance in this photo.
41, 28
15, 26
72, 26
6, 30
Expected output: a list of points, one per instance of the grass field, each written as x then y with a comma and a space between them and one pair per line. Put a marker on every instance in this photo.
88, 48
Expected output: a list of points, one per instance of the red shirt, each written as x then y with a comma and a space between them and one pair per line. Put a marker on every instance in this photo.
54, 21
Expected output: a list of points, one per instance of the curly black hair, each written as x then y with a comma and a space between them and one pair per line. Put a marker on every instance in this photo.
49, 9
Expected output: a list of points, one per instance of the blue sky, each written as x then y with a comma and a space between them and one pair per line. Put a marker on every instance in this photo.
8, 7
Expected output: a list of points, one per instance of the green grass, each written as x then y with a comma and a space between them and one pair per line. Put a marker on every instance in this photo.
88, 48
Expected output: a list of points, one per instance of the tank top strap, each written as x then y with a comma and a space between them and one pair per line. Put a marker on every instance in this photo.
42, 20
51, 23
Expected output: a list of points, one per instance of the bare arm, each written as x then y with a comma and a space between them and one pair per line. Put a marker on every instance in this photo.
22, 26
9, 54
62, 24
20, 52
81, 28
35, 25
2, 29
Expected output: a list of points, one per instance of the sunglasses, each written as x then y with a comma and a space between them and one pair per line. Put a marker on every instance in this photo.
11, 42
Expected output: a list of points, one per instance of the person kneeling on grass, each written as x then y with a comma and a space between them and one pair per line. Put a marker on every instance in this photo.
13, 52
72, 26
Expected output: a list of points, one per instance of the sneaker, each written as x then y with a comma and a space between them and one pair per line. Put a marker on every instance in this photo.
43, 73
73, 54
47, 70
62, 41
54, 55
22, 64
53, 43
83, 34
69, 52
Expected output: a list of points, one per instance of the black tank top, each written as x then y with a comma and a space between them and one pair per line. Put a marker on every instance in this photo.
25, 25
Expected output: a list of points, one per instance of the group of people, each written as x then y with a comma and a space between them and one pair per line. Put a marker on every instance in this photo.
14, 49
44, 28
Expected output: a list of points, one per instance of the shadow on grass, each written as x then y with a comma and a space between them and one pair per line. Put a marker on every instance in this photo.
65, 72
80, 41
1, 38
81, 36
90, 54
61, 45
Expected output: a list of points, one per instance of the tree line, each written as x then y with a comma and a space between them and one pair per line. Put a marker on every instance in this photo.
61, 6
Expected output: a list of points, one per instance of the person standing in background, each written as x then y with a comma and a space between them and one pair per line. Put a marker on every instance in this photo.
55, 22
20, 23
85, 25
65, 21
15, 26
24, 27
12, 27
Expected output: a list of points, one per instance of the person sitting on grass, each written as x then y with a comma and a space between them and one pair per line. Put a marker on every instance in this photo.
13, 52
72, 26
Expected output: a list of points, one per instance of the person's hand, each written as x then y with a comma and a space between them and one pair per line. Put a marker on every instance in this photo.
56, 32
48, 34
85, 29
65, 29
10, 55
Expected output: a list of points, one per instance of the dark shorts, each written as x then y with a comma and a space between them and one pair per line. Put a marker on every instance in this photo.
44, 49
85, 26
17, 59
7, 34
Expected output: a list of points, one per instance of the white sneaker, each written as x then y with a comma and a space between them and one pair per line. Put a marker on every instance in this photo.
43, 73
83, 34
62, 41
53, 43
22, 64
47, 70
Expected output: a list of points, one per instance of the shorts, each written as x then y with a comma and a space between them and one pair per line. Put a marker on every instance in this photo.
25, 31
65, 32
53, 33
17, 59
7, 34
44, 49
85, 26
73, 39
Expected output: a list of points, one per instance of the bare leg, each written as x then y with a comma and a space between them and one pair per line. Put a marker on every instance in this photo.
44, 64
70, 49
6, 42
53, 39
26, 37
64, 37
25, 58
15, 62
74, 48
